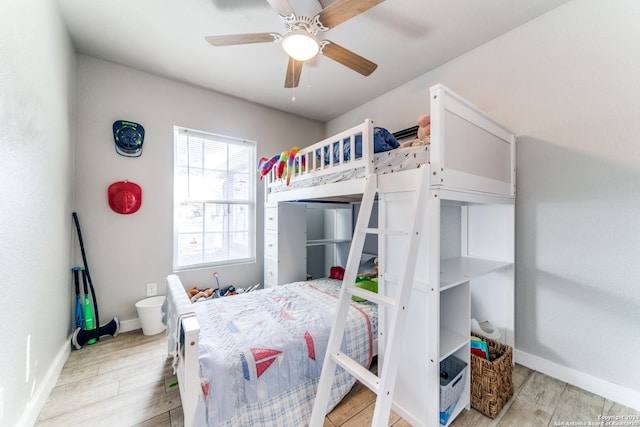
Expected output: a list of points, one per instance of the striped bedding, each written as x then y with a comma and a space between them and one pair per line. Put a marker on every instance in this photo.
261, 353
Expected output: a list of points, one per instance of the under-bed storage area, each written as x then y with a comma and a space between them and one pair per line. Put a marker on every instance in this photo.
304, 240
329, 232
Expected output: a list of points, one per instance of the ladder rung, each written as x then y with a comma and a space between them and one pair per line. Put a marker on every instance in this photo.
365, 376
384, 231
370, 296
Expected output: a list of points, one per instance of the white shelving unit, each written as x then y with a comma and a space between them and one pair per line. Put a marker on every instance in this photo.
466, 270
326, 239
329, 231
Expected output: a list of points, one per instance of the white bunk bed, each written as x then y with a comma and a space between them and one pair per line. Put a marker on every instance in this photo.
467, 250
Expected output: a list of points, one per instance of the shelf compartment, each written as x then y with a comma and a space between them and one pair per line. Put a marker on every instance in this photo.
454, 271
320, 242
454, 321
450, 342
463, 403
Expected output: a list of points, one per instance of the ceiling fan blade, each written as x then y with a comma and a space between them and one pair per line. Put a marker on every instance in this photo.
347, 58
233, 39
294, 69
341, 10
282, 7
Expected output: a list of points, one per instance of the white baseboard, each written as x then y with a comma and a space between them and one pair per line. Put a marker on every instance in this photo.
620, 394
43, 390
130, 325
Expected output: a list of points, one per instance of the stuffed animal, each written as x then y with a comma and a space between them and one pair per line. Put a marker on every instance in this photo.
285, 165
195, 294
265, 165
374, 272
423, 136
191, 292
424, 125
281, 164
291, 160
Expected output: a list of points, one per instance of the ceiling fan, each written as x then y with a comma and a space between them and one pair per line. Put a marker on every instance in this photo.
300, 41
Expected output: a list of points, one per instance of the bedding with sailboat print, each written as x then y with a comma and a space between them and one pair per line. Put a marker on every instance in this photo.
261, 353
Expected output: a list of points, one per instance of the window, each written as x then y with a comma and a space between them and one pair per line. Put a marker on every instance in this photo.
214, 200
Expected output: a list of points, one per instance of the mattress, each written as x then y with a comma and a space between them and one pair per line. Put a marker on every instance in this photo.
261, 353
386, 162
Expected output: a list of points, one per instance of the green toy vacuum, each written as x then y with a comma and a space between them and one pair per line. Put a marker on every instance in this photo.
91, 331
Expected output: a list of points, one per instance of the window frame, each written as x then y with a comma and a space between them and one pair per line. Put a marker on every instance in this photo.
251, 202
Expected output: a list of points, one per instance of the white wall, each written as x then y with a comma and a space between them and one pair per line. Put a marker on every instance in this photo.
568, 84
127, 251
36, 99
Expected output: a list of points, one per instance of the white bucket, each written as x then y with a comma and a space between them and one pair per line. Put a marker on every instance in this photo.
150, 315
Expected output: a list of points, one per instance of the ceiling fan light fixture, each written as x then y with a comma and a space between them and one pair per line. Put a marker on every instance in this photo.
300, 45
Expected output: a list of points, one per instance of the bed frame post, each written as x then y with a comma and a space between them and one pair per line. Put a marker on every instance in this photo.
183, 332
367, 135
190, 382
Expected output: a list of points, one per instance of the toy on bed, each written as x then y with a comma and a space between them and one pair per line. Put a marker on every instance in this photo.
285, 164
196, 294
423, 136
368, 283
383, 140
265, 165
373, 273
368, 266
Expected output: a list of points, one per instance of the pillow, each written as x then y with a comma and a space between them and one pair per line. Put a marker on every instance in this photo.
383, 141
365, 283
336, 272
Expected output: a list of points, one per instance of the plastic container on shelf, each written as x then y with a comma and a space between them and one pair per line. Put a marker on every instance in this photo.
452, 379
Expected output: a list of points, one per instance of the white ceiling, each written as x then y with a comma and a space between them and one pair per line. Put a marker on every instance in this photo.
406, 38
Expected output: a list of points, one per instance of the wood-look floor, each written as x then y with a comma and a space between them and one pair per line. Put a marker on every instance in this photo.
125, 381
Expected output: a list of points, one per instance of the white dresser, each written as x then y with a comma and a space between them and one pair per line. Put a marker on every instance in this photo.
285, 236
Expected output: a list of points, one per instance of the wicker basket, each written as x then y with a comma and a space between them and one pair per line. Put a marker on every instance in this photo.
491, 380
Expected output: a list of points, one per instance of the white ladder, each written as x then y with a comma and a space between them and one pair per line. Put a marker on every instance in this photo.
384, 384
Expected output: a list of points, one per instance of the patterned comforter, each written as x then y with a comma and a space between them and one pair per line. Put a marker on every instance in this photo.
261, 353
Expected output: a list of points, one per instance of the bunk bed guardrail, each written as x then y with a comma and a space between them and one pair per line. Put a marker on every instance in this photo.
332, 155
469, 152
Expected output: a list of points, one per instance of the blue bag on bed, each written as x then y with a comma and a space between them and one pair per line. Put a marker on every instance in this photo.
383, 140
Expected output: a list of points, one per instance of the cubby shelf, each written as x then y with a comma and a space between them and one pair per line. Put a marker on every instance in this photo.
454, 271
450, 342
321, 242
